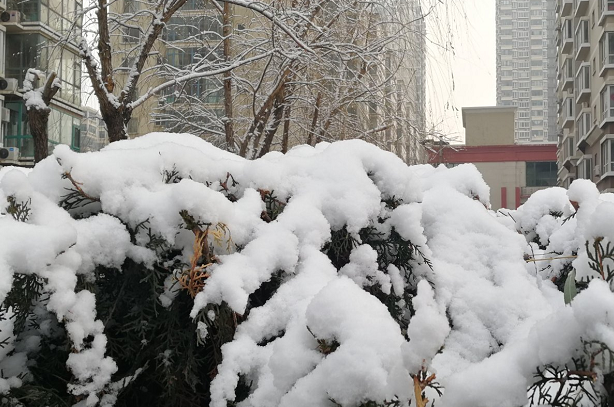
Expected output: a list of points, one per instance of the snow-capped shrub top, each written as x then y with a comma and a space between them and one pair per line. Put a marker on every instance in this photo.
330, 274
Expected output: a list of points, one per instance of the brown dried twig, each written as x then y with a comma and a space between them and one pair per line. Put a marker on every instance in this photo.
77, 186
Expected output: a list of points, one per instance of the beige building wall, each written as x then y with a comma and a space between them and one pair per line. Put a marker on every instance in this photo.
585, 30
503, 174
488, 126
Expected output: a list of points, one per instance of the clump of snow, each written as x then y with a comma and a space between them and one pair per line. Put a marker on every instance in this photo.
468, 307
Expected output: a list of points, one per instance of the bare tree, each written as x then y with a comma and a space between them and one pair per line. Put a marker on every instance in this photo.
37, 106
349, 86
117, 92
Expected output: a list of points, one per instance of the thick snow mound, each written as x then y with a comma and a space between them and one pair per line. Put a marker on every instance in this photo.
347, 276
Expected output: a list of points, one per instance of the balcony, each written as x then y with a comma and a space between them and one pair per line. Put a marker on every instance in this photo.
571, 155
584, 126
567, 75
582, 84
607, 9
567, 37
567, 113
580, 7
582, 40
566, 7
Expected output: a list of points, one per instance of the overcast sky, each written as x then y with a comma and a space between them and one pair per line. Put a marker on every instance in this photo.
465, 76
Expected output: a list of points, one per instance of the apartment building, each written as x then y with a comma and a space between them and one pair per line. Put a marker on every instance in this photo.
31, 36
526, 67
94, 134
585, 40
195, 32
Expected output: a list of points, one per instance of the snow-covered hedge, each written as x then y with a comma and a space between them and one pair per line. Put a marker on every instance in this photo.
163, 271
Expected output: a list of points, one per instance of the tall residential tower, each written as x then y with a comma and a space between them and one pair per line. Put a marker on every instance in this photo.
585, 38
526, 67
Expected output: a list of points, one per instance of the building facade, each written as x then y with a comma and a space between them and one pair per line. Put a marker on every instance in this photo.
513, 171
585, 39
526, 67
94, 134
31, 35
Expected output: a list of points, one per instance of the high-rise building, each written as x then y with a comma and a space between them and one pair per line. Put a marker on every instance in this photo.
526, 67
30, 37
585, 39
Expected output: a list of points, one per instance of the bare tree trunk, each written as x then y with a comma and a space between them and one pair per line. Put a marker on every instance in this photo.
262, 116
286, 132
38, 118
117, 111
269, 133
116, 124
228, 126
314, 121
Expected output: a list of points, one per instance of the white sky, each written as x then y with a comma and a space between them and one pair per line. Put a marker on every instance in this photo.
465, 75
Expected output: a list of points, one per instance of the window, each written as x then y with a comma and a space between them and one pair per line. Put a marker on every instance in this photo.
582, 33
2, 59
127, 63
521, 24
584, 125
606, 49
607, 102
541, 174
607, 6
181, 28
585, 168
76, 138
568, 106
131, 34
537, 134
522, 134
130, 6
583, 79
133, 126
567, 30
607, 155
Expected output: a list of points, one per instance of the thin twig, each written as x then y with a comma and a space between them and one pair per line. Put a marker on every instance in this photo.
77, 186
551, 258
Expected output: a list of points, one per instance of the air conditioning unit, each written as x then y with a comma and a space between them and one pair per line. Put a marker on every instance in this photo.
10, 16
597, 171
8, 85
9, 154
6, 114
